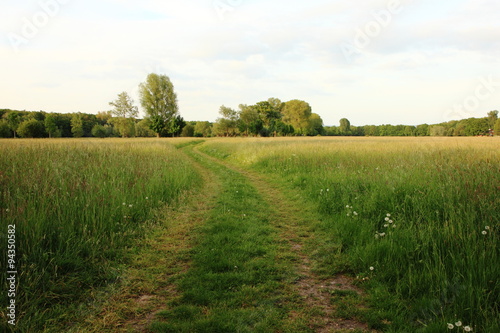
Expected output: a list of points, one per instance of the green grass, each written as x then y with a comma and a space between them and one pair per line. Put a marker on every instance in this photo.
436, 265
77, 206
235, 281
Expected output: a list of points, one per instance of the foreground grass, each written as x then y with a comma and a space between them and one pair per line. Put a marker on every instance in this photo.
235, 283
414, 220
77, 206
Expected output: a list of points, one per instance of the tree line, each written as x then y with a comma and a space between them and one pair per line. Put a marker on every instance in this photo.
266, 118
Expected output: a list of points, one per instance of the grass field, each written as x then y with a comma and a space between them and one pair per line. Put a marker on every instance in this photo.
412, 222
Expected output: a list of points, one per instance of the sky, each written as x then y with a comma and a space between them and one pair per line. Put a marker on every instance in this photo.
373, 62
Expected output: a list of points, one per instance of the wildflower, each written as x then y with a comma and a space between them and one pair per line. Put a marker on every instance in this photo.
458, 323
372, 268
485, 232
450, 326
124, 204
347, 206
388, 215
355, 213
7, 210
467, 329
487, 228
129, 206
386, 225
382, 234
391, 221
147, 198
394, 226
387, 219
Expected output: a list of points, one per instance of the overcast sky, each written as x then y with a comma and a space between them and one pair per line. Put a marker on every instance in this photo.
373, 62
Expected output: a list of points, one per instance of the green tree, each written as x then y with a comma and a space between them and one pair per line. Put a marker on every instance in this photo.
77, 125
14, 118
315, 125
51, 126
227, 125
345, 126
176, 125
202, 129
188, 131
297, 113
492, 118
497, 128
143, 129
31, 128
125, 113
99, 131
159, 101
5, 131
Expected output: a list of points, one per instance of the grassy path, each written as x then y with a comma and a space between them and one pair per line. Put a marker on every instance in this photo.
236, 257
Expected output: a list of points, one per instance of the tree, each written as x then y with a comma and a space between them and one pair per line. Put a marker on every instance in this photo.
159, 101
99, 131
228, 124
202, 129
125, 111
297, 113
31, 128
51, 126
5, 131
345, 126
176, 125
492, 118
315, 125
188, 131
77, 125
14, 118
143, 129
497, 128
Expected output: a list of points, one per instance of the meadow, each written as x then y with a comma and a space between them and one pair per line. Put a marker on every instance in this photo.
78, 205
412, 221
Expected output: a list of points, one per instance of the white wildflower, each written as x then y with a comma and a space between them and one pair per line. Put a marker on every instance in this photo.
386, 225
487, 228
467, 329
458, 323
372, 268
485, 232
388, 215
450, 326
387, 219
355, 213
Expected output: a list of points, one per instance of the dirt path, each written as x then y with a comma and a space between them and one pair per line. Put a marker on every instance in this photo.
294, 219
150, 283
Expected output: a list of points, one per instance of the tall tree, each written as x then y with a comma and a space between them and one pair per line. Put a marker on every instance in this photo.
125, 111
159, 101
492, 118
77, 125
345, 126
297, 114
14, 118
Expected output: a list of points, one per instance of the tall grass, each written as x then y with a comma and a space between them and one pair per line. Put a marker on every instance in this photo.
77, 205
416, 220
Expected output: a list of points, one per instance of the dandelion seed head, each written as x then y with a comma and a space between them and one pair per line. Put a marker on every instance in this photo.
124, 204
382, 234
484, 232
487, 228
450, 326
458, 323
147, 198
386, 225
388, 215
387, 219
130, 206
467, 329
347, 206
355, 213
372, 268
7, 210
391, 221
